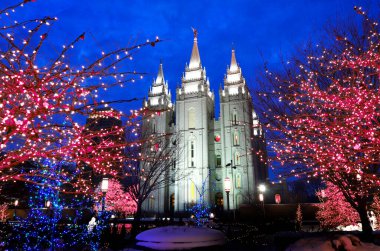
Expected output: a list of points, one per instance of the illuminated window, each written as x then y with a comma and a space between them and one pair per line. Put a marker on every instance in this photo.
192, 192
237, 158
236, 137
191, 118
238, 180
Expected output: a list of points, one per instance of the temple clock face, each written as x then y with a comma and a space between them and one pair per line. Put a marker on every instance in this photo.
217, 138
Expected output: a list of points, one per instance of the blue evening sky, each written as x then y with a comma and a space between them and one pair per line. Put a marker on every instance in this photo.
260, 31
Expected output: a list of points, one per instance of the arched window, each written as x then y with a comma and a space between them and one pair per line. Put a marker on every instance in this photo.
154, 126
239, 200
218, 161
151, 203
237, 158
192, 152
174, 163
238, 180
191, 117
234, 117
236, 138
219, 199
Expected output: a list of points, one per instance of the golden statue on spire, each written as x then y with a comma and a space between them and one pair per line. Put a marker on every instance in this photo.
195, 32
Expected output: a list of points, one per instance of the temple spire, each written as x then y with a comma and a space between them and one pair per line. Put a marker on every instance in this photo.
160, 75
233, 66
234, 78
195, 60
159, 95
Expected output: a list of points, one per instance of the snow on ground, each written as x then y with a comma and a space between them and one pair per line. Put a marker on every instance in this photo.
342, 242
180, 237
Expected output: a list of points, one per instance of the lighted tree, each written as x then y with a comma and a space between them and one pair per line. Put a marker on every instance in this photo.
201, 210
117, 199
375, 207
3, 212
43, 98
43, 228
299, 218
334, 210
323, 115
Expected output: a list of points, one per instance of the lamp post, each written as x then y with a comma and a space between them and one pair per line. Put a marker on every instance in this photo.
14, 215
232, 181
262, 190
104, 188
232, 177
227, 189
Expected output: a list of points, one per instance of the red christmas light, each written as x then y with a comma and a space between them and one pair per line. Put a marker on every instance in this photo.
217, 138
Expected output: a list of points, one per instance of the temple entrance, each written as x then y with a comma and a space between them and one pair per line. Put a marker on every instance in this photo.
219, 204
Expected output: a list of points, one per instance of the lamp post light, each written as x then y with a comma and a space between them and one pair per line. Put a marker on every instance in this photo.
227, 189
15, 214
104, 188
230, 185
262, 188
261, 198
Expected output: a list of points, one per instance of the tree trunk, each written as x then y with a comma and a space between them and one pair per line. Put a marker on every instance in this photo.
366, 225
136, 221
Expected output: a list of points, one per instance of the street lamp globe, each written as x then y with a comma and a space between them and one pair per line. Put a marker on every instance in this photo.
104, 188
105, 185
261, 197
227, 184
227, 189
262, 188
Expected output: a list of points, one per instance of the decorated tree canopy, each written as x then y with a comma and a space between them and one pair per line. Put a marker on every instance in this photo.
44, 98
334, 210
323, 114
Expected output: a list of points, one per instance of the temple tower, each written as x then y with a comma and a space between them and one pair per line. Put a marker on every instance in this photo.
194, 117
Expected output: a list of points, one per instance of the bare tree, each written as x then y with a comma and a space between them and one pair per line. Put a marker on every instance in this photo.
151, 164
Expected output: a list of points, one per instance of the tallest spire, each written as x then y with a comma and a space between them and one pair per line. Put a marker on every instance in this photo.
233, 66
195, 60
